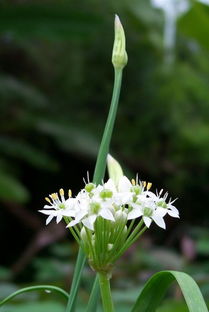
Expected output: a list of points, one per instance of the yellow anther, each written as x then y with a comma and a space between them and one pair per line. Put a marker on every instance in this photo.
54, 196
61, 191
133, 181
70, 193
48, 200
149, 185
144, 183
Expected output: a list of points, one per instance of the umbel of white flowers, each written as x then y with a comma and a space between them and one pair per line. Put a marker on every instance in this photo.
106, 219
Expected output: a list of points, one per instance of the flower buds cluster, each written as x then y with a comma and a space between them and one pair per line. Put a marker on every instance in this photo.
98, 216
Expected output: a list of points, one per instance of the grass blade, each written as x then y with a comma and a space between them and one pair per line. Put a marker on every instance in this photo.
156, 287
35, 288
76, 280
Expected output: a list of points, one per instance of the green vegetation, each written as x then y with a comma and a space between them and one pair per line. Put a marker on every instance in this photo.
55, 86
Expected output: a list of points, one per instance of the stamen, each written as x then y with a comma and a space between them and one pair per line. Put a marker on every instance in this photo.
54, 196
137, 179
149, 185
48, 200
133, 181
161, 191
88, 177
61, 191
70, 193
144, 183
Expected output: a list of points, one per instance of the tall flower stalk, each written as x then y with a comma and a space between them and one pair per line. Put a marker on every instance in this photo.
119, 60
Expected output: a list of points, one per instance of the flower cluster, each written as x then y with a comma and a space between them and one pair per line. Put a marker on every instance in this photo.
98, 216
129, 199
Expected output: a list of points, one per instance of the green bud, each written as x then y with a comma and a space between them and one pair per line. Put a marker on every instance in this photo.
136, 189
114, 169
119, 55
89, 187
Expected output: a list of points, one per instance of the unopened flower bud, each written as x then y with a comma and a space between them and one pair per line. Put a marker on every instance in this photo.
120, 217
114, 169
83, 234
119, 55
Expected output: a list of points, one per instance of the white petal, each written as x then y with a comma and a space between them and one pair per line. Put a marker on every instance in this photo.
73, 222
135, 213
49, 219
48, 212
89, 222
161, 211
106, 214
70, 202
81, 214
110, 185
49, 206
147, 221
68, 213
150, 194
59, 218
159, 220
173, 214
124, 184
173, 208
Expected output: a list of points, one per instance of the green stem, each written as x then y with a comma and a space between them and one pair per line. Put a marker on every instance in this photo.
100, 171
93, 299
76, 280
104, 147
107, 302
35, 288
102, 155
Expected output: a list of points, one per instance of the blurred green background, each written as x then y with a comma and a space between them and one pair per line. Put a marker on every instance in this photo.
55, 88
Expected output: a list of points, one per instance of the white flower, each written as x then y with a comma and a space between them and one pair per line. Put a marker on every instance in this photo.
97, 202
58, 207
147, 209
161, 202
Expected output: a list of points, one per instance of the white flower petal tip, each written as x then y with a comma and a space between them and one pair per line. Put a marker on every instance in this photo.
147, 221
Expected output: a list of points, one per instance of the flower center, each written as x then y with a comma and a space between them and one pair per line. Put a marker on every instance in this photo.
106, 194
147, 211
61, 206
89, 187
95, 207
136, 189
162, 204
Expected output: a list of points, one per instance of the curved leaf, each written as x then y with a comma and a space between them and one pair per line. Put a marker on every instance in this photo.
156, 287
35, 288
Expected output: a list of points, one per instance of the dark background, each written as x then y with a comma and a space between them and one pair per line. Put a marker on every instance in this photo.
55, 88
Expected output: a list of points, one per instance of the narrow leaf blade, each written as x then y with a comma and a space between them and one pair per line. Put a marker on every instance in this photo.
156, 287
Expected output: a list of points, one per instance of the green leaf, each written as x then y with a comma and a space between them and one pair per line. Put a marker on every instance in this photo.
156, 287
81, 259
198, 15
35, 288
55, 21
26, 152
11, 189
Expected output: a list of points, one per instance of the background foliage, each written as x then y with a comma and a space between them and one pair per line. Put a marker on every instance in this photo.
55, 88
